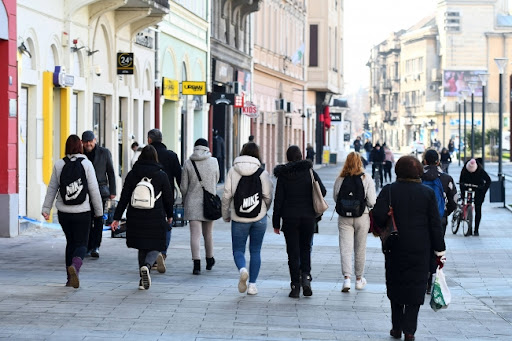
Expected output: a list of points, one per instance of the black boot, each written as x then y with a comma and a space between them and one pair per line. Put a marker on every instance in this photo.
475, 233
197, 267
306, 285
295, 290
210, 262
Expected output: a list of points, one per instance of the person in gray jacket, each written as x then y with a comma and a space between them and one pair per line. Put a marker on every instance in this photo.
103, 166
247, 164
353, 231
74, 219
192, 193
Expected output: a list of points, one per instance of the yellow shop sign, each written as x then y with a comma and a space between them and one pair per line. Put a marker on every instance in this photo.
171, 89
193, 88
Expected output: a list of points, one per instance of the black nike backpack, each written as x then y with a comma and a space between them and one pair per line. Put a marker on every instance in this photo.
351, 201
73, 182
248, 196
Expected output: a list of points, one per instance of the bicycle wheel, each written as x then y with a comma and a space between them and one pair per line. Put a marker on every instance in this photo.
467, 228
455, 221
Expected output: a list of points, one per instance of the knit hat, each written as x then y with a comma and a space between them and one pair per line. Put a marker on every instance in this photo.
471, 166
201, 142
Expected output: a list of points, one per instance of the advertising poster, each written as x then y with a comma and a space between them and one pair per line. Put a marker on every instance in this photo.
456, 81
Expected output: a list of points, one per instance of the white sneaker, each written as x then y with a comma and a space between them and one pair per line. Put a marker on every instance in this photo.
242, 283
145, 277
361, 283
346, 285
252, 290
160, 263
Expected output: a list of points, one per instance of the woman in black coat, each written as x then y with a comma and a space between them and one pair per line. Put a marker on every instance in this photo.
473, 173
419, 228
293, 203
146, 228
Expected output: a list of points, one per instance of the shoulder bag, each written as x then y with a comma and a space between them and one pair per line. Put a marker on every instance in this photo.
319, 203
389, 237
211, 202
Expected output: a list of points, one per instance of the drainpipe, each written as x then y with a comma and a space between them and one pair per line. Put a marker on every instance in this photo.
157, 81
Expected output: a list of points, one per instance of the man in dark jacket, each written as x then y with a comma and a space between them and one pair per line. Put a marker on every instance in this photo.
377, 157
101, 159
357, 144
171, 165
432, 171
218, 152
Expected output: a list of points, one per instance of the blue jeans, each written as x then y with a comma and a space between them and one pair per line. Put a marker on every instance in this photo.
239, 234
167, 239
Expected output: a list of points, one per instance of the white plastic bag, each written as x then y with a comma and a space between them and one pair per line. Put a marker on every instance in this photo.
441, 296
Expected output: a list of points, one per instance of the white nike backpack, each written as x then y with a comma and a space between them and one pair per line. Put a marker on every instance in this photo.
143, 196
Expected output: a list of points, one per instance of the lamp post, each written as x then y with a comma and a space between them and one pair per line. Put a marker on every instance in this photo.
472, 87
484, 77
460, 137
464, 96
501, 62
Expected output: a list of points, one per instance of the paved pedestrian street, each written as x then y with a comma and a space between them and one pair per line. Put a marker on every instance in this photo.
35, 304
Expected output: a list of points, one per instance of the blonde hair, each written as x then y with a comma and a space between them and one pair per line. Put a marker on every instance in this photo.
353, 165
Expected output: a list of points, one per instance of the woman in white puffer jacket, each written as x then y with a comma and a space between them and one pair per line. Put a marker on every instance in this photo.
249, 219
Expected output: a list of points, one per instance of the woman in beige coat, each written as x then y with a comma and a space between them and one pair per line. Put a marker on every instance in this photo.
192, 193
353, 231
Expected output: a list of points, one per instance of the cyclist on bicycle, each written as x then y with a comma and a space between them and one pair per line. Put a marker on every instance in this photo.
473, 173
377, 159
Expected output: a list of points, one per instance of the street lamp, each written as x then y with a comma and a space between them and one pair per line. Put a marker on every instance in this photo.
464, 96
501, 63
484, 77
472, 86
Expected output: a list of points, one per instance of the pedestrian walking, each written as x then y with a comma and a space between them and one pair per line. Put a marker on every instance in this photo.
419, 227
201, 163
389, 161
171, 166
293, 203
377, 160
101, 159
356, 186
146, 224
446, 197
310, 153
474, 174
136, 152
245, 201
446, 159
357, 144
219, 152
368, 148
73, 183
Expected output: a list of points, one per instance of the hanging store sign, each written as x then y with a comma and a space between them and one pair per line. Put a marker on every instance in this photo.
125, 63
250, 109
335, 117
239, 101
61, 79
193, 88
171, 89
221, 98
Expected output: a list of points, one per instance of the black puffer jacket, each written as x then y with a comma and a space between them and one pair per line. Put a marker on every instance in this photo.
146, 229
101, 159
479, 178
169, 160
431, 173
419, 226
294, 191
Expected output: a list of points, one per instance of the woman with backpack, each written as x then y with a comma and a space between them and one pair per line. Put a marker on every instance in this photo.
148, 195
245, 201
293, 203
354, 194
74, 183
202, 165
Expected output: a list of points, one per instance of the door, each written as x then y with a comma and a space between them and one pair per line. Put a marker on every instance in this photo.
98, 119
22, 151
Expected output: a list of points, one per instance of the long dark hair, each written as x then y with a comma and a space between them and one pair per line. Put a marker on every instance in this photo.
149, 154
251, 149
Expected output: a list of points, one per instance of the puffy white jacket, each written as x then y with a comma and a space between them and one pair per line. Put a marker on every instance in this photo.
244, 166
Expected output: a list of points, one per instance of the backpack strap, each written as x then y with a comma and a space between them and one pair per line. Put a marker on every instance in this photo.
258, 172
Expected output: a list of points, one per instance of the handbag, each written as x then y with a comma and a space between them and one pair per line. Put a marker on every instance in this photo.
319, 203
441, 295
389, 236
211, 202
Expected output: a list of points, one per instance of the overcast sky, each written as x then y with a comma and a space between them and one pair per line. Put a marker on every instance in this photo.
368, 23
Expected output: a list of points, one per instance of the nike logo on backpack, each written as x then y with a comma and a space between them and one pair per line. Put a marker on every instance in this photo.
250, 203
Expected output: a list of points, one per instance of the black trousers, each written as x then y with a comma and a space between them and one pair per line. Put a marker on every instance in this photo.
380, 172
298, 233
147, 257
387, 170
76, 228
405, 317
96, 230
221, 169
